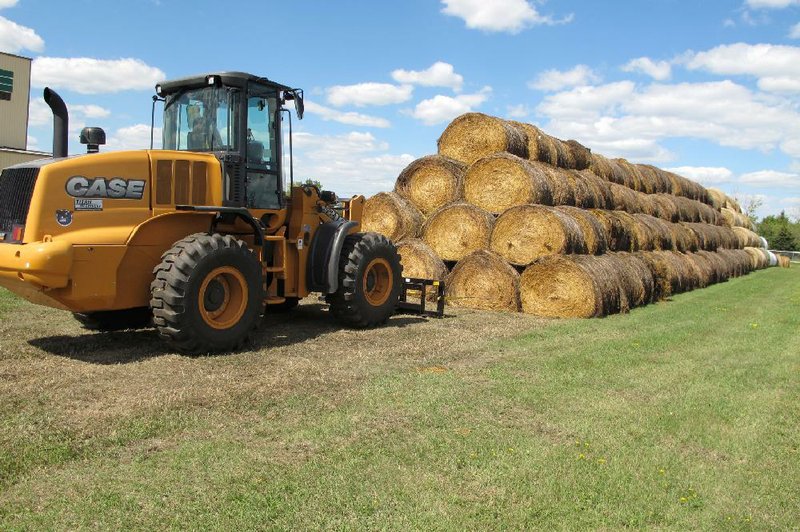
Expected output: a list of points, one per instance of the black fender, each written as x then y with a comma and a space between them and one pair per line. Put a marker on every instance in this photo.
323, 255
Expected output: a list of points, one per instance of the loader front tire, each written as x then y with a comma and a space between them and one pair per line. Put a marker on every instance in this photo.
207, 294
370, 278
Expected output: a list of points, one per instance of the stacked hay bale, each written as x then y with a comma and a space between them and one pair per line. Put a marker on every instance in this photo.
515, 219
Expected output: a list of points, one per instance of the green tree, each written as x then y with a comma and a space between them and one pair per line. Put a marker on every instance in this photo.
784, 240
781, 233
312, 183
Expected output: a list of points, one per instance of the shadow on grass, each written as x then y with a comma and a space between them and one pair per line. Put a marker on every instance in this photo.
304, 323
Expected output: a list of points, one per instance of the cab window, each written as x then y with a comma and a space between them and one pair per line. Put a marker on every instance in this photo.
263, 183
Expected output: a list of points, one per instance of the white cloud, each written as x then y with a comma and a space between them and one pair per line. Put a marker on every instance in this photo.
136, 137
510, 16
776, 66
771, 178
444, 108
14, 38
660, 70
794, 32
771, 4
33, 143
7, 3
94, 76
439, 74
353, 163
706, 175
349, 118
518, 111
364, 94
39, 112
553, 80
722, 112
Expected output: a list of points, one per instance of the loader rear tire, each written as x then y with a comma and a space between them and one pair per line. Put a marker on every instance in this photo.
207, 294
370, 279
115, 320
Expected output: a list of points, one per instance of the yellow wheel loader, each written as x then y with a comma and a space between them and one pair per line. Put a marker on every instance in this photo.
199, 238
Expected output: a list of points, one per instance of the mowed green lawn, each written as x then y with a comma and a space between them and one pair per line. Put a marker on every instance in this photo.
683, 414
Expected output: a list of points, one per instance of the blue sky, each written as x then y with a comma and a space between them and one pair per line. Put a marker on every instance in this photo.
709, 88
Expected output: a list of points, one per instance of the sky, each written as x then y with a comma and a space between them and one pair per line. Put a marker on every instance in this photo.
710, 89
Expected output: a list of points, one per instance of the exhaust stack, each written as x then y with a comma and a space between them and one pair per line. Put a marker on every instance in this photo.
60, 122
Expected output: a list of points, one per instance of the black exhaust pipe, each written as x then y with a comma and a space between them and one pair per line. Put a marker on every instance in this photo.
60, 122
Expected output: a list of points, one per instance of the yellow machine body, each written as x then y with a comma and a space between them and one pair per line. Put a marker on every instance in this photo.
98, 224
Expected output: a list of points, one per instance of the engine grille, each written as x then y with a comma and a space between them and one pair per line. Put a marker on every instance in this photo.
16, 190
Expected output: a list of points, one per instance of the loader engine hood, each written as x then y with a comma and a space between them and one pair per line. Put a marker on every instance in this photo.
95, 199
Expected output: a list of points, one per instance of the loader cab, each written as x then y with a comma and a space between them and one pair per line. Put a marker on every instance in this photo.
240, 118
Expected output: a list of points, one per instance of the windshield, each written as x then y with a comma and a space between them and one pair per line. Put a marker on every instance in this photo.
200, 120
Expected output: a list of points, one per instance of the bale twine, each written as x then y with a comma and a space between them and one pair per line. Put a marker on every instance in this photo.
571, 286
594, 232
636, 279
432, 182
601, 167
580, 154
660, 232
603, 197
618, 234
716, 198
523, 234
391, 215
421, 262
472, 136
483, 280
455, 231
500, 181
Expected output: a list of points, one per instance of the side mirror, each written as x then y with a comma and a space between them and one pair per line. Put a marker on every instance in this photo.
297, 96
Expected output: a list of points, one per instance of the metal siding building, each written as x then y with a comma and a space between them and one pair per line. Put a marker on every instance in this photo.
15, 89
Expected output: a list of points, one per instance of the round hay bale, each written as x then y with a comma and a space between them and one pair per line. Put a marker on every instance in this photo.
560, 184
540, 145
594, 232
636, 280
731, 203
783, 261
746, 237
651, 181
716, 198
525, 233
665, 207
483, 280
565, 158
617, 231
625, 199
660, 232
455, 231
501, 181
603, 197
472, 136
571, 286
666, 273
704, 269
773, 259
757, 259
601, 167
683, 238
391, 215
580, 154
432, 182
647, 204
581, 189
635, 179
421, 262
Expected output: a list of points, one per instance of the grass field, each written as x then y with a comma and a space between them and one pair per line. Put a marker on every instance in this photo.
683, 414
